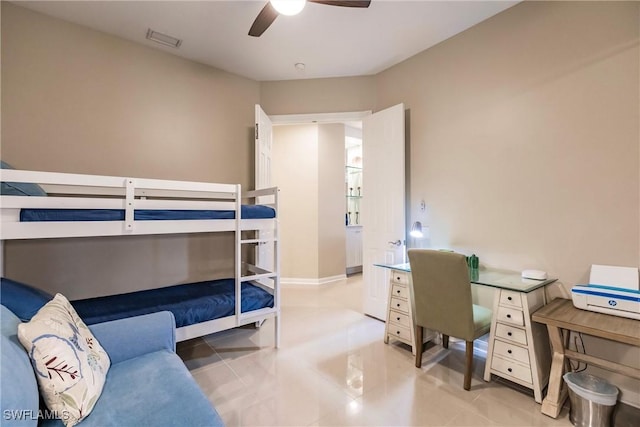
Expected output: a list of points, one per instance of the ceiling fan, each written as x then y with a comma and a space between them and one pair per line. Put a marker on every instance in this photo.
273, 8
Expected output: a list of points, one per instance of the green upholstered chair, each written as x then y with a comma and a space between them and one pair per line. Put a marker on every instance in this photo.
442, 302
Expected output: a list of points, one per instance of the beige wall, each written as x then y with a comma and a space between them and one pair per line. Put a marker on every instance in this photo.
524, 137
78, 100
295, 172
525, 142
88, 267
318, 95
331, 203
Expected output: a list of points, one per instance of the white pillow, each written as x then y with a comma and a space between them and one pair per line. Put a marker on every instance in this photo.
70, 364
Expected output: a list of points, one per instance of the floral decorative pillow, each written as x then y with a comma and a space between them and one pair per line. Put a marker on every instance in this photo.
70, 364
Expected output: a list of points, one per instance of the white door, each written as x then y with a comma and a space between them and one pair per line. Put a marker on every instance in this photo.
263, 150
383, 217
263, 137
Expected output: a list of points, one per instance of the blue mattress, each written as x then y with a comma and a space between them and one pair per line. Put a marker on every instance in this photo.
247, 212
191, 303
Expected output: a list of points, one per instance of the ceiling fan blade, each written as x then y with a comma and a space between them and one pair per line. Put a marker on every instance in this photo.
264, 19
343, 3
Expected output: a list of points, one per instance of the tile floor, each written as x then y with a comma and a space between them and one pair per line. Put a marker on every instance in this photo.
333, 369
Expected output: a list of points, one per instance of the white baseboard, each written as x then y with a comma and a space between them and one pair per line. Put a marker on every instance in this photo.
311, 282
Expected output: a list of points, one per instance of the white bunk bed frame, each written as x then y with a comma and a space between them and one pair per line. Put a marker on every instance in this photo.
79, 191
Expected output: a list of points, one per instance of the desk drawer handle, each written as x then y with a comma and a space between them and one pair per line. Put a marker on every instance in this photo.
397, 318
398, 291
508, 316
509, 298
398, 332
509, 369
509, 351
509, 333
398, 305
398, 278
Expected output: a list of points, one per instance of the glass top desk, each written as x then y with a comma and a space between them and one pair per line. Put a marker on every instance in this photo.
518, 349
502, 279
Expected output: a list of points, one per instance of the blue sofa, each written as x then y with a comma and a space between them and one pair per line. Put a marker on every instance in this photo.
147, 384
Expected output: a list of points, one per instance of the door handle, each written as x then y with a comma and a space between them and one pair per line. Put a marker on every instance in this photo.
396, 243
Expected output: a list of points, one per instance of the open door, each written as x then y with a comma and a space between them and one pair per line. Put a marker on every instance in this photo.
383, 213
263, 138
263, 150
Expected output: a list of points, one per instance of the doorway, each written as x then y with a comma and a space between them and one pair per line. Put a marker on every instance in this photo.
321, 228
354, 193
383, 207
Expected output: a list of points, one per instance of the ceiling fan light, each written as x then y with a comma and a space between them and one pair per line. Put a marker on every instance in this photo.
288, 7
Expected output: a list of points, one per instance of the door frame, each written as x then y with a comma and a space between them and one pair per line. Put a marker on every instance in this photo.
294, 119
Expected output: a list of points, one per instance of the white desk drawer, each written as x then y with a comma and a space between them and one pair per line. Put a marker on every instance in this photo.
510, 315
510, 333
511, 368
400, 318
510, 298
400, 332
511, 351
400, 277
399, 304
400, 291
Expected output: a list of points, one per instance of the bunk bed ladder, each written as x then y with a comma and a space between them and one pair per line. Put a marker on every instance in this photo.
276, 264
238, 254
261, 276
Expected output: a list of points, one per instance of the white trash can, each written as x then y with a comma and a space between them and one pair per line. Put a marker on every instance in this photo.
592, 400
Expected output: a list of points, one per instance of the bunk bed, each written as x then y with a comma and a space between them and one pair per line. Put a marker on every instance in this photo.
45, 205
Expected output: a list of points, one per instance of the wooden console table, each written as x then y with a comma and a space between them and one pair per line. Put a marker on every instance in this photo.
561, 314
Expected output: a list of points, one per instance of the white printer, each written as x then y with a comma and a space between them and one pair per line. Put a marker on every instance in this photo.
611, 290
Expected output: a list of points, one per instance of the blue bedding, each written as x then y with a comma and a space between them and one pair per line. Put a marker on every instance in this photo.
190, 303
247, 212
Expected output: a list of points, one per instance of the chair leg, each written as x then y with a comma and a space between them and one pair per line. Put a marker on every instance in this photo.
418, 345
468, 365
445, 341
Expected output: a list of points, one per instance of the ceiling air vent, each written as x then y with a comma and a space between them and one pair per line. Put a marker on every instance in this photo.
163, 39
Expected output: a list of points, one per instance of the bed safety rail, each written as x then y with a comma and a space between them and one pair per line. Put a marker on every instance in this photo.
79, 191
